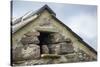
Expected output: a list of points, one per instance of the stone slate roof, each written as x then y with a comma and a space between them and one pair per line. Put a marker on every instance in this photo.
20, 22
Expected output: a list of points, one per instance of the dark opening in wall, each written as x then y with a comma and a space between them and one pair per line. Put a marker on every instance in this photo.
43, 38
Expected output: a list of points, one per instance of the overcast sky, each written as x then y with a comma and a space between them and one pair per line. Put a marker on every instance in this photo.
82, 19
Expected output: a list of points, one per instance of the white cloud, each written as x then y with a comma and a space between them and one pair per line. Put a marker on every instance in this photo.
85, 25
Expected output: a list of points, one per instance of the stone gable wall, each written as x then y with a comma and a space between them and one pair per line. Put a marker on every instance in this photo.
26, 50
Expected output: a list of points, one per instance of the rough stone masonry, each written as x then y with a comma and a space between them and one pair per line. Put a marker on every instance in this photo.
54, 48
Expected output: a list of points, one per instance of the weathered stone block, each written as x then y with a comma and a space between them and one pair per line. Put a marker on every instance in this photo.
66, 48
33, 33
68, 40
72, 57
45, 49
17, 54
55, 38
61, 48
54, 48
31, 52
30, 40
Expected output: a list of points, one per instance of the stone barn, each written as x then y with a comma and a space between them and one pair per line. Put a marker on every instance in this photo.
39, 37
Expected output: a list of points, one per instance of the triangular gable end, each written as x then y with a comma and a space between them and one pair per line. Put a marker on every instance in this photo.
49, 16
